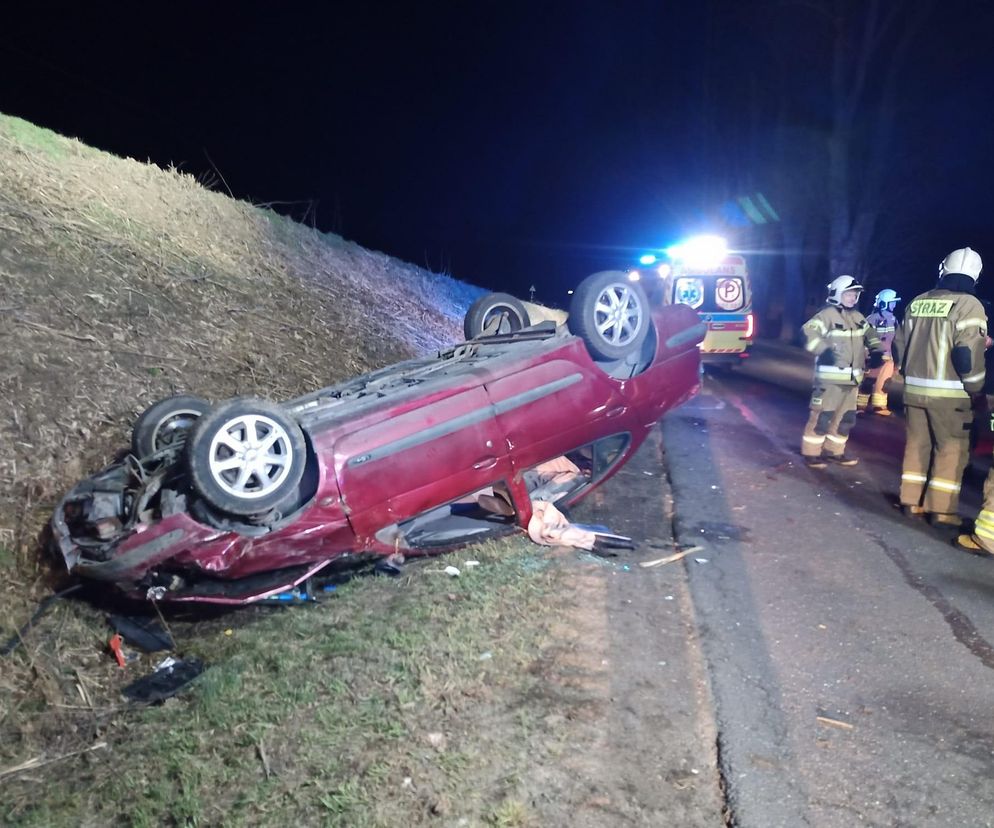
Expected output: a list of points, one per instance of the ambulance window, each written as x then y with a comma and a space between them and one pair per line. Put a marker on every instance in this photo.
689, 290
729, 293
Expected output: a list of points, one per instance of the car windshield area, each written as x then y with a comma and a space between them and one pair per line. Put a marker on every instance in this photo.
709, 293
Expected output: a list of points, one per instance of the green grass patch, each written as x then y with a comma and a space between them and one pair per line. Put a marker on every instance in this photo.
34, 137
393, 699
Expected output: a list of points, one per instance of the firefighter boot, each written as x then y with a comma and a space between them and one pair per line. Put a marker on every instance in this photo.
878, 402
843, 459
971, 544
940, 519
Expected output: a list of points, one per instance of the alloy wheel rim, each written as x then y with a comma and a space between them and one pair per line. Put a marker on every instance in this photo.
618, 314
250, 456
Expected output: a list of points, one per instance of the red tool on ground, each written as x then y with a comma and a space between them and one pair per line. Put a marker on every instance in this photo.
115, 647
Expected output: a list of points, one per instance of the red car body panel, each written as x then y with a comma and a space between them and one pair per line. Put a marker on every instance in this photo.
382, 459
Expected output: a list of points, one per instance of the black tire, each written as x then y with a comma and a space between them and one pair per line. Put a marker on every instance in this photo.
500, 310
610, 313
230, 464
164, 423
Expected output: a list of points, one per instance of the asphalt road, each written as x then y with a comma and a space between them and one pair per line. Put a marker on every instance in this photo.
850, 650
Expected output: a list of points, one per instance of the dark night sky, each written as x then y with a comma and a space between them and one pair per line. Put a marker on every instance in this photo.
509, 143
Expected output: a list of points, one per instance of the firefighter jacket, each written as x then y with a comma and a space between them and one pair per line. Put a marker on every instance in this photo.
885, 324
839, 337
939, 347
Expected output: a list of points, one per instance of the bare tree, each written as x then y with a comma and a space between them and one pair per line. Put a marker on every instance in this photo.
869, 47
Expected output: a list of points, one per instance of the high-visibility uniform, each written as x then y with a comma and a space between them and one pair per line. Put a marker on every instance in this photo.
885, 324
939, 348
839, 338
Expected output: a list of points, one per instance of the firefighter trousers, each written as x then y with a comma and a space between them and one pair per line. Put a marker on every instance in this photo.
833, 414
873, 392
935, 454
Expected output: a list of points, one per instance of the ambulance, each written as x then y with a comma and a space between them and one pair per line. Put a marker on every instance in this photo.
720, 291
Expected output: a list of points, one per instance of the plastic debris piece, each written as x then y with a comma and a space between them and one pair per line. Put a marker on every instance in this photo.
168, 678
388, 567
670, 558
486, 656
834, 723
229, 632
470, 563
294, 595
452, 571
147, 634
115, 647
701, 560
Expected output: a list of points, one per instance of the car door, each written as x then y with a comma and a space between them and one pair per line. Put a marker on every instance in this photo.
549, 407
417, 459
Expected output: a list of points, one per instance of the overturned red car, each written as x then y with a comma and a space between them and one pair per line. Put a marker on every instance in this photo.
246, 499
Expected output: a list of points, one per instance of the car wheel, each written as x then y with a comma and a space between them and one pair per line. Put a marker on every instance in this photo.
246, 456
495, 313
166, 423
610, 313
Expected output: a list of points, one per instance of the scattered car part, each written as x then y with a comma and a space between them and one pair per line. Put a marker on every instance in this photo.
43, 607
145, 633
171, 676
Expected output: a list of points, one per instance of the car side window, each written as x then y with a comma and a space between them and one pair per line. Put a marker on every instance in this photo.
563, 477
488, 512
607, 451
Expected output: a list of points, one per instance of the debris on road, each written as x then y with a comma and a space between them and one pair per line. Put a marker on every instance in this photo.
834, 723
676, 556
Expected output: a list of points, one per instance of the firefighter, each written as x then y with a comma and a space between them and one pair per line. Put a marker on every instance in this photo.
939, 348
838, 336
872, 397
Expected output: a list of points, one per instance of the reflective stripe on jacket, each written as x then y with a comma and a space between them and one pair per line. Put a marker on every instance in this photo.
940, 346
848, 334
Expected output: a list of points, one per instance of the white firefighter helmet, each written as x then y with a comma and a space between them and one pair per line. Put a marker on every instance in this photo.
885, 297
840, 285
965, 261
